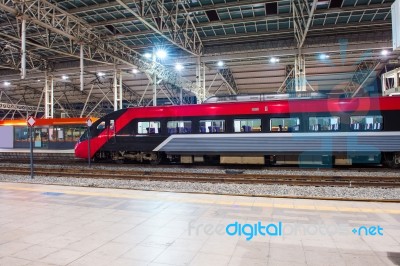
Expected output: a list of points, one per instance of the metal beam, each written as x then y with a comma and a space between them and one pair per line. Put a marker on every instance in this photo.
302, 17
192, 9
286, 17
72, 31
363, 71
229, 80
178, 26
10, 57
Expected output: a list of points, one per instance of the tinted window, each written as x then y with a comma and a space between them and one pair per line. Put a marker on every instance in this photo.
285, 124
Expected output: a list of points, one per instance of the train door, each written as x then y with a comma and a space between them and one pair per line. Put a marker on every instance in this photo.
111, 131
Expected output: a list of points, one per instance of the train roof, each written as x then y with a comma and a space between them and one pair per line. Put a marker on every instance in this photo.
319, 105
265, 97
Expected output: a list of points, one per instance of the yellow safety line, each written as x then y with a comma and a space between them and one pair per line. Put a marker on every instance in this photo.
205, 201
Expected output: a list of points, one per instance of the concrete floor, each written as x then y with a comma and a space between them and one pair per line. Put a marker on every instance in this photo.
58, 225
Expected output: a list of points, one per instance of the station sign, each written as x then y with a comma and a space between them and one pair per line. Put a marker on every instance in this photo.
31, 121
89, 122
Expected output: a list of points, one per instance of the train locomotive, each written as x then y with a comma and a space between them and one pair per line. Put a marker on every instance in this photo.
315, 131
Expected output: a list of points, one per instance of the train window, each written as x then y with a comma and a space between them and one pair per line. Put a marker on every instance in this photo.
112, 124
330, 123
149, 127
212, 126
102, 125
179, 127
285, 124
364, 123
247, 125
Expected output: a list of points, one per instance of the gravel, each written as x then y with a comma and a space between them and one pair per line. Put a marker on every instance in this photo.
234, 189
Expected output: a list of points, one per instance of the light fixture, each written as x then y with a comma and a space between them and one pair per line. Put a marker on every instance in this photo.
178, 66
384, 52
147, 55
274, 60
64, 77
6, 83
220, 63
323, 56
101, 74
161, 53
135, 71
38, 80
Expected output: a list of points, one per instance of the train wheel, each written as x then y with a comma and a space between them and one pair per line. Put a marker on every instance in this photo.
156, 159
391, 160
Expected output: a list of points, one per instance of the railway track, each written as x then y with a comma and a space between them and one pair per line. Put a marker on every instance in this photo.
230, 177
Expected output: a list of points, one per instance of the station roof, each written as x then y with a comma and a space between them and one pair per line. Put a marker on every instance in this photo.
345, 37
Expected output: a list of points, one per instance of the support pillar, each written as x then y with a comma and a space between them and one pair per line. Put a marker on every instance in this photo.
300, 73
81, 66
117, 90
49, 97
23, 49
154, 78
200, 80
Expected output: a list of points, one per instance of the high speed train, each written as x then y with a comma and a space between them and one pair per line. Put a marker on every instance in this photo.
322, 131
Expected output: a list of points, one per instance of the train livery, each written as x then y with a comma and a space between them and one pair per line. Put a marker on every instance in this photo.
325, 131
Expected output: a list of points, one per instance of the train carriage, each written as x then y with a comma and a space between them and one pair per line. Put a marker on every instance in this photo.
327, 131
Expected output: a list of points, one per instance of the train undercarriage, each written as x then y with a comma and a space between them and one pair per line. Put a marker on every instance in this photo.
388, 159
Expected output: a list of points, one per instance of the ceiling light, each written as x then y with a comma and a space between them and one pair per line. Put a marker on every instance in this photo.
161, 54
147, 55
274, 60
64, 77
101, 74
135, 71
38, 80
6, 83
178, 66
323, 56
220, 63
384, 52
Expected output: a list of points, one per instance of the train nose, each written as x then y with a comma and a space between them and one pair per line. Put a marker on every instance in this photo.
80, 150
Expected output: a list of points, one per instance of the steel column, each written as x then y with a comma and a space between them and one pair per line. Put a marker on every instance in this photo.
117, 90
154, 78
49, 97
200, 80
300, 73
23, 49
81, 66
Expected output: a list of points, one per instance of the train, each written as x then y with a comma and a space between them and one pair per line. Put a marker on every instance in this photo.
258, 130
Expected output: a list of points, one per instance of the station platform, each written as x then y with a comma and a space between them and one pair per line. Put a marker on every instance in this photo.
35, 151
61, 225
38, 153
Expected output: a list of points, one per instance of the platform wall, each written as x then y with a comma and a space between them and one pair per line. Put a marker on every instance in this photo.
6, 137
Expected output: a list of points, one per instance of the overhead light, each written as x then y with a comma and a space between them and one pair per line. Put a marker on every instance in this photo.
274, 60
64, 77
38, 80
220, 63
323, 56
178, 66
147, 55
135, 71
6, 83
101, 74
161, 54
384, 52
